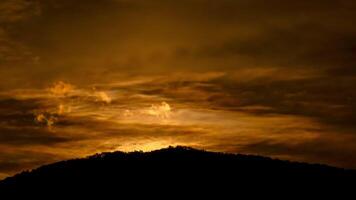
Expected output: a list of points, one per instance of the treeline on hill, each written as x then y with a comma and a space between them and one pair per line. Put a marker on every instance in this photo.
167, 167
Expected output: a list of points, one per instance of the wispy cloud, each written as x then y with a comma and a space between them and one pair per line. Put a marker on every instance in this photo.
18, 10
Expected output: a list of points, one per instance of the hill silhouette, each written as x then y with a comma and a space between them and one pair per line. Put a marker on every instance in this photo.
167, 168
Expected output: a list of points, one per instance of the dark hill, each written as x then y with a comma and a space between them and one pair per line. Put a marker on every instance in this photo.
168, 168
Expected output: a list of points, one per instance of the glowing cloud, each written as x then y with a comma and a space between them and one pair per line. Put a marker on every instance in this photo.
162, 110
103, 97
63, 109
61, 88
50, 117
128, 113
45, 118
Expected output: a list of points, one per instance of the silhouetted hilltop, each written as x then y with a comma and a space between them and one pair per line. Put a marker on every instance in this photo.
165, 168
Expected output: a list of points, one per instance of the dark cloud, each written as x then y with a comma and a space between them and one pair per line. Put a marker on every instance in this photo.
297, 46
327, 150
30, 136
148, 37
18, 10
327, 99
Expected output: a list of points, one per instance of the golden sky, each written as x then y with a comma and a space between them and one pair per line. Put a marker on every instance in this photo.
274, 78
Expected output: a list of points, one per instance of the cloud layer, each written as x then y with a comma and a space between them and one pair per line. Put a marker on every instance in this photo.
272, 78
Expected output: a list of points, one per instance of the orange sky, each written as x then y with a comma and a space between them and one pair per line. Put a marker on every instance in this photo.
271, 78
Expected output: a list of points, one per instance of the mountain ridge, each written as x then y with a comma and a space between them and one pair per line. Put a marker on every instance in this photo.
167, 165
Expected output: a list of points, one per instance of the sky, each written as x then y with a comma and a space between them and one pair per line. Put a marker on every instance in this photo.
273, 78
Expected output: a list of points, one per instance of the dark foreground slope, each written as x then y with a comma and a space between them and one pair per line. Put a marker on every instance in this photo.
171, 168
